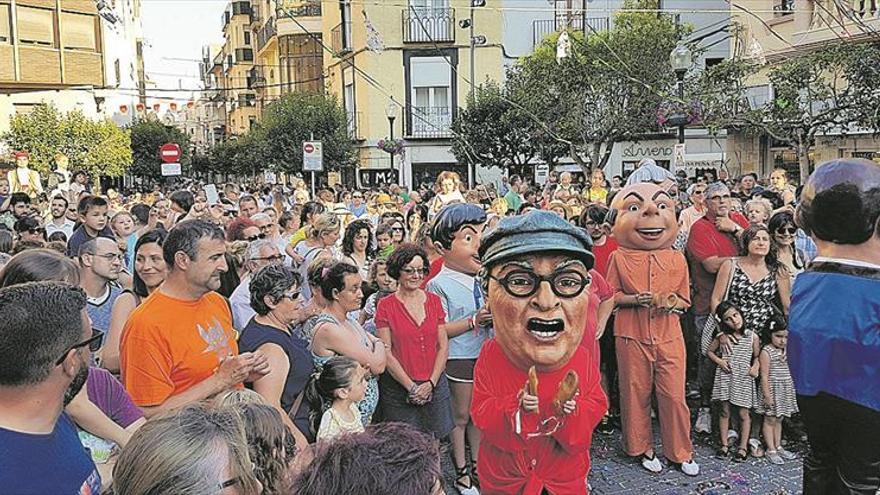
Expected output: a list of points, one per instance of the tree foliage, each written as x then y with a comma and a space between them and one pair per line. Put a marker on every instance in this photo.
607, 90
493, 131
147, 136
276, 144
829, 90
98, 147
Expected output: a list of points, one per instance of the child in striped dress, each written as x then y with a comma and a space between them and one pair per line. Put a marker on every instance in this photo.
735, 378
776, 394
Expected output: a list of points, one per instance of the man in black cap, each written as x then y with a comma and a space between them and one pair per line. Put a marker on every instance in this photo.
834, 345
536, 391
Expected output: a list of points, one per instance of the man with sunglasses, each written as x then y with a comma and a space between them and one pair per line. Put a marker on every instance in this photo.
537, 396
44, 362
260, 253
712, 240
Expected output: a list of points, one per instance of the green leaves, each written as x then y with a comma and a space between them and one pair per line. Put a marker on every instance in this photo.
146, 138
98, 147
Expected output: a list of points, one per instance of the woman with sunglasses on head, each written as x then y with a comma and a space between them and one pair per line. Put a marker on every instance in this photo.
332, 333
783, 233
275, 291
149, 273
411, 322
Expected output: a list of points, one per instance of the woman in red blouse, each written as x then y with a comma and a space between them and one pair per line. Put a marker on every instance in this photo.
410, 322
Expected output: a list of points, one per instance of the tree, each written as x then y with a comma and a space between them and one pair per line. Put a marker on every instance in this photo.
491, 131
607, 90
297, 117
831, 89
147, 136
98, 147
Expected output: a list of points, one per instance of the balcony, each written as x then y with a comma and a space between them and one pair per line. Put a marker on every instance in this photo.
543, 28
340, 38
428, 25
234, 9
308, 9
429, 122
266, 33
354, 124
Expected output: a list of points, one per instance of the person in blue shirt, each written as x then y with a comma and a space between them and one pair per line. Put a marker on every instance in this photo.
834, 341
456, 232
45, 339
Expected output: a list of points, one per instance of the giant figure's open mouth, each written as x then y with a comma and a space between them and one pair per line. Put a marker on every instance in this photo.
545, 330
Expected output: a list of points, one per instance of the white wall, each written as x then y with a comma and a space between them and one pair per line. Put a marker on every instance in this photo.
120, 45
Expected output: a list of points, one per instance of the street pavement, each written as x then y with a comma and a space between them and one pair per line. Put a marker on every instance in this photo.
613, 473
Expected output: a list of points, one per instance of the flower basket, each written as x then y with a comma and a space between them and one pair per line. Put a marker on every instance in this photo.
392, 146
677, 113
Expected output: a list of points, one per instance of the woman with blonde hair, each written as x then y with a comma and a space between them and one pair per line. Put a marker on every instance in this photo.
447, 191
323, 234
198, 450
499, 207
758, 210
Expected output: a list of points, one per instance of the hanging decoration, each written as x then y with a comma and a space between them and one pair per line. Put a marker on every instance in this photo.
392, 146
156, 107
374, 39
190, 104
123, 108
173, 106
140, 107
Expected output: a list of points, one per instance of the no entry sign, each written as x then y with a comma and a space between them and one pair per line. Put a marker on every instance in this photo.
169, 152
313, 156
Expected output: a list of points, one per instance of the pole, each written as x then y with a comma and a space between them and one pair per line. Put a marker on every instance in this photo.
390, 154
681, 98
473, 64
312, 138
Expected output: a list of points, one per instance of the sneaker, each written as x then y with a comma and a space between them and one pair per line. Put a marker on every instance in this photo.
755, 447
732, 436
704, 421
652, 464
605, 427
787, 455
774, 458
690, 468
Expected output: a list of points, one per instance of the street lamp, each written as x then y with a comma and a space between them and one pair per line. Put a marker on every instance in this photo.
681, 60
391, 113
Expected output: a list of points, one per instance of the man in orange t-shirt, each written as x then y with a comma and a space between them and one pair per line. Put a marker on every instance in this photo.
179, 346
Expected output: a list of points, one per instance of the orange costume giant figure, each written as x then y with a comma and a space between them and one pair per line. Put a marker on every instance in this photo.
536, 396
651, 286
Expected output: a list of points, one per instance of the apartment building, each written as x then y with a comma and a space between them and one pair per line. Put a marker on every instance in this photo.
125, 78
237, 61
402, 69
209, 109
289, 56
48, 47
774, 30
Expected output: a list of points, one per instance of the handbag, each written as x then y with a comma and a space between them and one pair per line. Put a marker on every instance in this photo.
712, 323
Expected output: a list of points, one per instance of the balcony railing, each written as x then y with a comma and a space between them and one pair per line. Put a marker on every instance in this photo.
428, 25
340, 37
354, 123
266, 33
543, 28
430, 122
308, 9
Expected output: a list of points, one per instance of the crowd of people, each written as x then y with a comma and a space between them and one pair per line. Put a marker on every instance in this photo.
254, 339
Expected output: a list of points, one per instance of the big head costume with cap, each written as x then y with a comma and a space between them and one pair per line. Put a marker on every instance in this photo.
834, 338
648, 339
536, 276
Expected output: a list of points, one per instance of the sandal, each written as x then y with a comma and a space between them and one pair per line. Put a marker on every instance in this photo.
723, 452
741, 455
464, 489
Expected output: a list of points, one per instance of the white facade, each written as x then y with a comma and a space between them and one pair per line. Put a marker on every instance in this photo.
123, 66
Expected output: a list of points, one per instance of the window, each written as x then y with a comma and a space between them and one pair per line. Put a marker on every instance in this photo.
36, 26
432, 97
78, 31
5, 29
247, 37
712, 62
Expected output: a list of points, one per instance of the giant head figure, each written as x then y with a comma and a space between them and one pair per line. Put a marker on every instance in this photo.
840, 203
644, 217
456, 232
536, 276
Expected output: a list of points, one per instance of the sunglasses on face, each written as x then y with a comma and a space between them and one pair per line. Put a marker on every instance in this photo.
786, 230
416, 271
94, 343
255, 237
36, 231
274, 258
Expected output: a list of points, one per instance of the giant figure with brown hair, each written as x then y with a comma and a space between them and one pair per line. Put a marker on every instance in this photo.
652, 286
